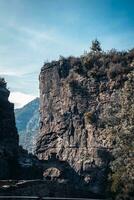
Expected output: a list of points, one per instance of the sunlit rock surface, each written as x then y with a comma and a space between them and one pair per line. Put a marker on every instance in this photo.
86, 115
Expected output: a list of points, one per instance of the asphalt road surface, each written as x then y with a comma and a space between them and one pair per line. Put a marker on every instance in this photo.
46, 198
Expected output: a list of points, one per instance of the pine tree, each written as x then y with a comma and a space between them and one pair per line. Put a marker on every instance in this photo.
96, 46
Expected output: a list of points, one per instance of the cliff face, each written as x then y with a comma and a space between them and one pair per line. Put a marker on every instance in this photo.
15, 162
8, 136
86, 116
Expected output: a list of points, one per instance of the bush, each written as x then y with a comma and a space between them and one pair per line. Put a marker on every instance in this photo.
114, 70
78, 89
116, 180
96, 47
3, 82
131, 54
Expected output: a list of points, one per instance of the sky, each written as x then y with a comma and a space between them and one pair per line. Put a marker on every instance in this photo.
35, 31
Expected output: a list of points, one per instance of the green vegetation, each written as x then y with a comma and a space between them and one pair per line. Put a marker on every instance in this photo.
122, 172
78, 89
111, 65
3, 82
96, 46
116, 180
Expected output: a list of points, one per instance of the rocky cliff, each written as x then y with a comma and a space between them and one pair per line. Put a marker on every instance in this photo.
8, 135
86, 115
15, 162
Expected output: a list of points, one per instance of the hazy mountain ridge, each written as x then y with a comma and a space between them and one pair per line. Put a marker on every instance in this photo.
27, 122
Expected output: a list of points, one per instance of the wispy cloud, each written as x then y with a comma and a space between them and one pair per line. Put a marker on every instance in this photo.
36, 40
32, 32
20, 99
25, 83
46, 41
9, 72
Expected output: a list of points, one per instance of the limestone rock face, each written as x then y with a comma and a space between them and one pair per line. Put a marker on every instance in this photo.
8, 137
82, 104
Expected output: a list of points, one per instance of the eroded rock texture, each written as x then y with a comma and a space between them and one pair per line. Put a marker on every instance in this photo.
86, 107
8, 136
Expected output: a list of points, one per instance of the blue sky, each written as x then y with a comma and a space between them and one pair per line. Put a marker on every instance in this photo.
33, 31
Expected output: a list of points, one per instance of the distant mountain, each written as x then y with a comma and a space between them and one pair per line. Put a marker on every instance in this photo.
27, 122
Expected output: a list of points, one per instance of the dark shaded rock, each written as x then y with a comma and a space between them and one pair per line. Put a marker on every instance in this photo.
8, 137
42, 188
29, 167
15, 162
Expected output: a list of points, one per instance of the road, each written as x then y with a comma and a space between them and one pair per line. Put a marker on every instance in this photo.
46, 198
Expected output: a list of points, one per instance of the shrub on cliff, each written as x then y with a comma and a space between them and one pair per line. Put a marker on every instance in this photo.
78, 89
96, 46
122, 173
115, 70
3, 82
131, 54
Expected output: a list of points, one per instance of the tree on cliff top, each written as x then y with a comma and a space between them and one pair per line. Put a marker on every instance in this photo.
3, 82
96, 46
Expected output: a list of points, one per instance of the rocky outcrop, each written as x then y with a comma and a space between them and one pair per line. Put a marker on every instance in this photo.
15, 162
86, 116
8, 136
